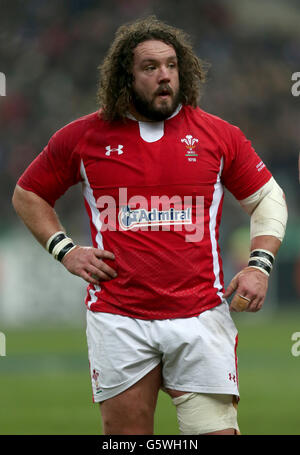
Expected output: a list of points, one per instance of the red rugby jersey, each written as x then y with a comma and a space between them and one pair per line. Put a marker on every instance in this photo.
153, 193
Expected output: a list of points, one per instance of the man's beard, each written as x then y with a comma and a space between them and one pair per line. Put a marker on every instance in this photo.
148, 110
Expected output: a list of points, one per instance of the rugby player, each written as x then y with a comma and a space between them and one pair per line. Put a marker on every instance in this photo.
153, 167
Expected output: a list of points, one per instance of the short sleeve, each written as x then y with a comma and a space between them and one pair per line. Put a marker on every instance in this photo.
243, 172
54, 170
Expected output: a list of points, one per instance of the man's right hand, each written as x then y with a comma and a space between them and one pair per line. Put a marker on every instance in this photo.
88, 263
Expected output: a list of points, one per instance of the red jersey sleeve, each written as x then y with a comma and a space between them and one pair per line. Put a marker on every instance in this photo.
243, 171
56, 168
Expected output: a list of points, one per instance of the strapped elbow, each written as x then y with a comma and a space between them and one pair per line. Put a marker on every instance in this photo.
268, 211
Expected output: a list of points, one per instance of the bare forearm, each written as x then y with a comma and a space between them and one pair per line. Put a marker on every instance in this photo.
40, 218
266, 242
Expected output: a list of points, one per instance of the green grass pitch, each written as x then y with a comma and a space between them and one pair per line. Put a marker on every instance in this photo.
45, 384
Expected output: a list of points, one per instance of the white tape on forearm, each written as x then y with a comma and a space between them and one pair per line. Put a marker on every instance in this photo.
262, 250
52, 237
268, 211
264, 260
60, 246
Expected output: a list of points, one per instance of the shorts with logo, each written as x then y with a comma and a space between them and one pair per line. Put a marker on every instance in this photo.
198, 354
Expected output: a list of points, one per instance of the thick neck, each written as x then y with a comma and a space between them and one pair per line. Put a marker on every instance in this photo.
133, 114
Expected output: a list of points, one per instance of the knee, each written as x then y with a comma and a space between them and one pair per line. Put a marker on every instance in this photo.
202, 413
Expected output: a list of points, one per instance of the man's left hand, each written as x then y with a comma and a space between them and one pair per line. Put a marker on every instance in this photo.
252, 284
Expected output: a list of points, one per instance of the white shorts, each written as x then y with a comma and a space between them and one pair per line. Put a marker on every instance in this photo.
198, 354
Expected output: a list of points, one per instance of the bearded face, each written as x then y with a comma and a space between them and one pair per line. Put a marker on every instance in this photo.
155, 88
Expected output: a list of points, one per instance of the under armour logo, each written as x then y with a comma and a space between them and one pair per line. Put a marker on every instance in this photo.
109, 150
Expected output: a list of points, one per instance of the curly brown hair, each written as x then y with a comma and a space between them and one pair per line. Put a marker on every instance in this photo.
115, 86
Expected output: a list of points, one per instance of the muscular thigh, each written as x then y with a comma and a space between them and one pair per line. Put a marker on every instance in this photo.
132, 411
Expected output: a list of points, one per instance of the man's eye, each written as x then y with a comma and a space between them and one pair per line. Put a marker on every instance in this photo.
150, 68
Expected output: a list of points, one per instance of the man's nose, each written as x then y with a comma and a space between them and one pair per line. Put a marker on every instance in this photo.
164, 74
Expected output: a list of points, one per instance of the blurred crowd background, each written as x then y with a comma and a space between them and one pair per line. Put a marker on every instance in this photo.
49, 53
